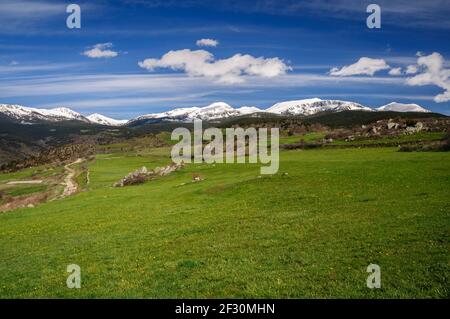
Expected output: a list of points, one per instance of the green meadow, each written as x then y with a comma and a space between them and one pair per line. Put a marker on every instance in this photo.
310, 231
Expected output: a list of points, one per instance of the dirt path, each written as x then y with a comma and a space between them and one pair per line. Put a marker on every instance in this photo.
25, 182
70, 188
71, 185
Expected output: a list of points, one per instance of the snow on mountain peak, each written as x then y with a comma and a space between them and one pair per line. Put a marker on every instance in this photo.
22, 113
104, 120
60, 113
248, 110
217, 106
214, 111
402, 107
211, 112
313, 106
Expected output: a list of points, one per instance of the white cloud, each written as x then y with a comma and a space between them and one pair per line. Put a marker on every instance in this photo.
411, 69
16, 67
101, 50
365, 66
395, 71
433, 72
164, 85
207, 43
201, 63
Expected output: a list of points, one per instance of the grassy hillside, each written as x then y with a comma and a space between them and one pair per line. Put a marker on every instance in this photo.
331, 119
352, 118
308, 233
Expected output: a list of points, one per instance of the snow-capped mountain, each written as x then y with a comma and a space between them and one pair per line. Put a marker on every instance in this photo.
104, 120
313, 106
214, 111
60, 113
243, 110
31, 115
401, 107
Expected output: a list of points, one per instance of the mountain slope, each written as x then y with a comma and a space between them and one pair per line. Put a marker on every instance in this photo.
28, 115
217, 110
104, 120
313, 106
401, 107
244, 110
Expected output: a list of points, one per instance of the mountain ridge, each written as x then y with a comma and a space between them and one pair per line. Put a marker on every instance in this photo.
212, 112
402, 107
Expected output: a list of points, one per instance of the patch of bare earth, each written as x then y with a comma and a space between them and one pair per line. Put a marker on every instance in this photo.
70, 188
21, 202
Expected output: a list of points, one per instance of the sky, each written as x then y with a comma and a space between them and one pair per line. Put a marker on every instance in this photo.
133, 57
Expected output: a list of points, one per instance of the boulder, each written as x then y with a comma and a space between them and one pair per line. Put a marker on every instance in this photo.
392, 125
419, 126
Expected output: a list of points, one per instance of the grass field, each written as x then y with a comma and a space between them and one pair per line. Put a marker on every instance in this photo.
308, 233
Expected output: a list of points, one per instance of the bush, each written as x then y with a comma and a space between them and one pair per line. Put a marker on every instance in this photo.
301, 145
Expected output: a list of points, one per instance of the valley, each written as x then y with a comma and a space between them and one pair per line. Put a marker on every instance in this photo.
308, 231
353, 188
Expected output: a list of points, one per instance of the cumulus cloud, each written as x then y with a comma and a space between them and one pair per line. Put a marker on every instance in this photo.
364, 66
411, 69
207, 43
395, 71
432, 72
201, 63
101, 50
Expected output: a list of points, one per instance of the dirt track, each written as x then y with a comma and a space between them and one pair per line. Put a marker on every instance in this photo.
70, 188
70, 185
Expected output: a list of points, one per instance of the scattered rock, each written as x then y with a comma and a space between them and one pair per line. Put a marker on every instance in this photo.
419, 126
196, 177
411, 130
350, 138
375, 130
392, 125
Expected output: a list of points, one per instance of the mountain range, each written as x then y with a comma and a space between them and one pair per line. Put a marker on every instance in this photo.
214, 111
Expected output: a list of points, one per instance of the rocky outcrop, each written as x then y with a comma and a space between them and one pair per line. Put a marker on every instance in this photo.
143, 174
414, 129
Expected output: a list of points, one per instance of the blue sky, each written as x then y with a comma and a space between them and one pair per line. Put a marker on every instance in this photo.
267, 51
